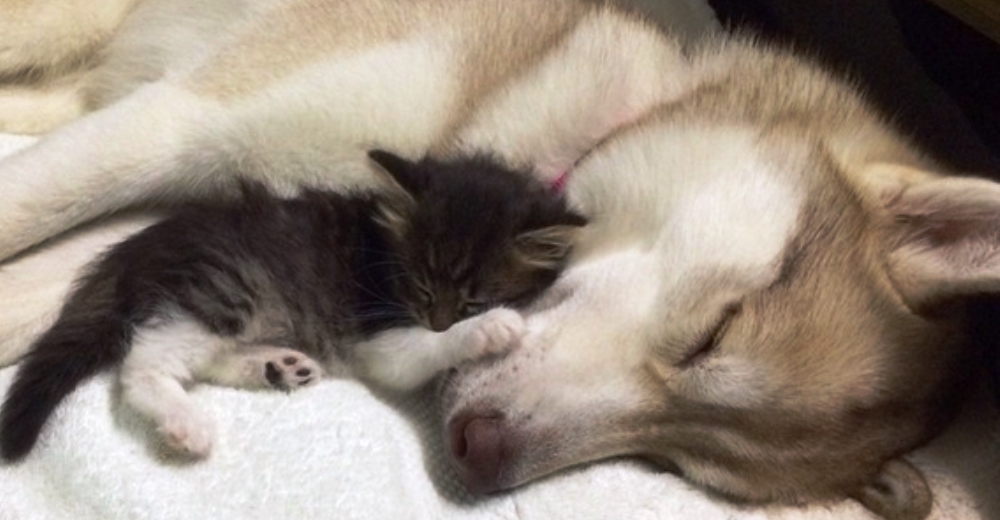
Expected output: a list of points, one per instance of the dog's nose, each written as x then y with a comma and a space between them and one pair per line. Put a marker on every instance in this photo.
477, 451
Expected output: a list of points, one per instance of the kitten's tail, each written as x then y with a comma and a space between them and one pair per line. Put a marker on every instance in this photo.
89, 336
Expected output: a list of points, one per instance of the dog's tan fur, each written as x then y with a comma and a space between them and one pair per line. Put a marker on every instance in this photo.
46, 38
46, 48
763, 300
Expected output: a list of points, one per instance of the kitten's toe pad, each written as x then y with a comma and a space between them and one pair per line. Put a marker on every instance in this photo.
288, 369
498, 331
188, 433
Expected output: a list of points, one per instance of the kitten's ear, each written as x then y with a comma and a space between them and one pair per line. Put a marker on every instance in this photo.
393, 209
403, 171
548, 247
392, 213
569, 218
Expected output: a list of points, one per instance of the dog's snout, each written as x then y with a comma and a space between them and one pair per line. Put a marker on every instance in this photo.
476, 444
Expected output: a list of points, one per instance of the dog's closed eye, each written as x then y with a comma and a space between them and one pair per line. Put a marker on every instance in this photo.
709, 339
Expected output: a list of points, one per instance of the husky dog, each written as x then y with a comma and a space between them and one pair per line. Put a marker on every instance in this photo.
760, 301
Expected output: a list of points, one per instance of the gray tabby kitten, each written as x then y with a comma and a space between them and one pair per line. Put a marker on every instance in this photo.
264, 292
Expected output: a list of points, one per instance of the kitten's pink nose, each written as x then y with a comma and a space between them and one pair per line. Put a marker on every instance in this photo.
477, 451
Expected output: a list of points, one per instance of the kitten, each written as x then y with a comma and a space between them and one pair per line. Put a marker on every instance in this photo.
258, 293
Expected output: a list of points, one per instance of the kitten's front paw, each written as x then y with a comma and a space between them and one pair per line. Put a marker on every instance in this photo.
188, 433
290, 369
497, 331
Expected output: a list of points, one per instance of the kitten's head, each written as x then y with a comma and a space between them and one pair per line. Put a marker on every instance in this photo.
471, 234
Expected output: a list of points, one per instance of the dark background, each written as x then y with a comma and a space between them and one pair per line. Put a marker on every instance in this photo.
935, 76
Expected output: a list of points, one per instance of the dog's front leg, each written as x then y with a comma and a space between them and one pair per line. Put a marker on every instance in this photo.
151, 146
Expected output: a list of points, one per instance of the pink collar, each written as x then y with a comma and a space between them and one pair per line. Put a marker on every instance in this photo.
559, 183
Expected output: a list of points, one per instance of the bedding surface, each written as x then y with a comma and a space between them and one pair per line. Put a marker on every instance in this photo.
336, 450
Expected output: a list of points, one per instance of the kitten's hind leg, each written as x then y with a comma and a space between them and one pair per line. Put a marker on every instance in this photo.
164, 358
263, 367
404, 359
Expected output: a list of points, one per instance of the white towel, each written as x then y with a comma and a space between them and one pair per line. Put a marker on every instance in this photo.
335, 450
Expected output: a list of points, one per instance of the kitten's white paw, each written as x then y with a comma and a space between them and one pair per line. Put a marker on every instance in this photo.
497, 331
188, 433
288, 369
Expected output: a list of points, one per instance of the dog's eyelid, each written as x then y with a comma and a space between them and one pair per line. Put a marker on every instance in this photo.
731, 310
709, 339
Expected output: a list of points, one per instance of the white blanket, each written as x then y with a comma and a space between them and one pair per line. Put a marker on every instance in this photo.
335, 450
338, 451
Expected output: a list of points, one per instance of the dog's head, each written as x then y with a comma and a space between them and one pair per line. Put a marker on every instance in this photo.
746, 312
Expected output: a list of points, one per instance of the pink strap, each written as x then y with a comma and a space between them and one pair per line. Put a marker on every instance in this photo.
559, 183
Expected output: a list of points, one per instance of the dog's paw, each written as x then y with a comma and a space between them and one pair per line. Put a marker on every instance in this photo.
188, 433
288, 369
497, 331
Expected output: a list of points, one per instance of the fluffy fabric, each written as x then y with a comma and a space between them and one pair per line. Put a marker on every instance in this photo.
337, 450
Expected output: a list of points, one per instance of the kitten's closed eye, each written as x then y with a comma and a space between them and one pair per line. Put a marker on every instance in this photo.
473, 307
423, 295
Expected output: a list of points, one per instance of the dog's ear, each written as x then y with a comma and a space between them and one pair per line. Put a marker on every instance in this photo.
898, 492
944, 232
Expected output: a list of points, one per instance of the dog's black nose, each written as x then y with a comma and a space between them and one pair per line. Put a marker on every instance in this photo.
477, 451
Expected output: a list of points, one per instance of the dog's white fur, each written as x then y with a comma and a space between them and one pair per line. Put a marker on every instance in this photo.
748, 305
